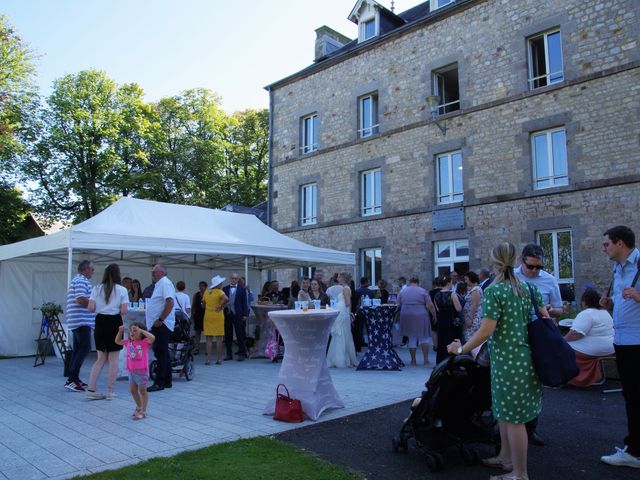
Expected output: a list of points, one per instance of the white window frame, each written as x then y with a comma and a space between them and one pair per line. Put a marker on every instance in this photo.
556, 259
436, 4
370, 199
375, 276
453, 258
453, 196
309, 204
548, 75
555, 180
368, 126
363, 27
438, 78
309, 131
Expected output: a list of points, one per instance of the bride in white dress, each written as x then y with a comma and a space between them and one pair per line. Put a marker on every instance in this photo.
342, 352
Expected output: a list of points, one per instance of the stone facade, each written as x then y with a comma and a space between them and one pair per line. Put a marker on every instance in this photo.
597, 104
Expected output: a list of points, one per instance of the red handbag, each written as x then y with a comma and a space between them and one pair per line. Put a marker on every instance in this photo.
287, 408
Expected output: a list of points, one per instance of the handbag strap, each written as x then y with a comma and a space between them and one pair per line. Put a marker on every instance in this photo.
285, 389
633, 283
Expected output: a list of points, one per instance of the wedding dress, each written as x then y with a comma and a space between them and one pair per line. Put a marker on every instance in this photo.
342, 352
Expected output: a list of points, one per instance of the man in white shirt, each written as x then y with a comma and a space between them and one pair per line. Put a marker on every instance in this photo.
160, 319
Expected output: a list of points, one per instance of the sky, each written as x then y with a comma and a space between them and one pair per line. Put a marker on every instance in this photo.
234, 48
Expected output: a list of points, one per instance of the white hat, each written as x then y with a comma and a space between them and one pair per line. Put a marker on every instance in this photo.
217, 280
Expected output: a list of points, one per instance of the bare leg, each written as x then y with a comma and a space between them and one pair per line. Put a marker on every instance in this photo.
144, 399
136, 397
425, 352
412, 352
219, 349
518, 443
209, 346
96, 369
505, 447
113, 370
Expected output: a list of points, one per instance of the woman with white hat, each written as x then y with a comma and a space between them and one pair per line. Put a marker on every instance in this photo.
213, 303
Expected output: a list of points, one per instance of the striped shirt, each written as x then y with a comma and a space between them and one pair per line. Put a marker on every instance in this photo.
77, 315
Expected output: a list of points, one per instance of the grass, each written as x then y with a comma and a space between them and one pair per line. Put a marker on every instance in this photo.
261, 458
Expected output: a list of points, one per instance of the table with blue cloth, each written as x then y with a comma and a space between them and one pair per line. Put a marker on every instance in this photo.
380, 354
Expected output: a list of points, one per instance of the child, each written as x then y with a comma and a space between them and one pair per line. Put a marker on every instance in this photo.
137, 348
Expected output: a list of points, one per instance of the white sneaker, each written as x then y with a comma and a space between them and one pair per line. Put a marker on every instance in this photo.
621, 459
95, 395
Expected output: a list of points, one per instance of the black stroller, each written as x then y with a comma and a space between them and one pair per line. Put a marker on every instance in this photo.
454, 411
180, 350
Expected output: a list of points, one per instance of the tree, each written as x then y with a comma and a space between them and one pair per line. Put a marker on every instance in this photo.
17, 92
13, 212
88, 147
247, 155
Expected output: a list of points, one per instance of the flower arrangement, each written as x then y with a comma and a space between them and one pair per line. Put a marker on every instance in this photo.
50, 309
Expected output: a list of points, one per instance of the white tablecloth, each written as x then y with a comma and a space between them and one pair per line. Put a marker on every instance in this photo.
304, 367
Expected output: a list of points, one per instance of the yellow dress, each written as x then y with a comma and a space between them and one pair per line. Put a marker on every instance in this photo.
213, 319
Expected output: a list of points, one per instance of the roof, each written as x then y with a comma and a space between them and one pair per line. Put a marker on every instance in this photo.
412, 18
188, 234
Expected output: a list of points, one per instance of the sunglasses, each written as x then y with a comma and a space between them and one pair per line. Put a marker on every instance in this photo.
533, 267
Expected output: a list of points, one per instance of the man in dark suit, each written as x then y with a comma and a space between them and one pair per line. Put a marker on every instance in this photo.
357, 327
236, 314
486, 277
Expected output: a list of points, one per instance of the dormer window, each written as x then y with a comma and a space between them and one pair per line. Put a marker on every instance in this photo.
368, 30
435, 4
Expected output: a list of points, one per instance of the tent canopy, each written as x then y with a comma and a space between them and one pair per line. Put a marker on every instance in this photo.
193, 242
132, 229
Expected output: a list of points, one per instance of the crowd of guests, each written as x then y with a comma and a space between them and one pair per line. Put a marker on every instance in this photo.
456, 316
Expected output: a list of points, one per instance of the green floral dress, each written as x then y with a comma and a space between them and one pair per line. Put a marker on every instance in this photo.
516, 390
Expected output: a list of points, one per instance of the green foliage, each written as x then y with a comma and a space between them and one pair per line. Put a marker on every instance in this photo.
17, 93
257, 458
13, 212
50, 309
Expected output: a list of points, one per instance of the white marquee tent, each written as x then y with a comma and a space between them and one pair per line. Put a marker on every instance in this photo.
193, 242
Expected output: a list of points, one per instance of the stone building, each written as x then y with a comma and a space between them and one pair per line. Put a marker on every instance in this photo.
454, 125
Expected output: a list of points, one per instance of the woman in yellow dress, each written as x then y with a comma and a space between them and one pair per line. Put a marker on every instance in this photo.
213, 303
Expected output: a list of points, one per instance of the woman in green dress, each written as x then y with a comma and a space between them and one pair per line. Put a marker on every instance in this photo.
516, 390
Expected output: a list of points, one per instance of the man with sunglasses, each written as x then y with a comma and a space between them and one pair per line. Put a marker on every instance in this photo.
531, 271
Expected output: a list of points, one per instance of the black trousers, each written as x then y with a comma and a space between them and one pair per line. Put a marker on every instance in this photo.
231, 322
628, 361
161, 352
357, 330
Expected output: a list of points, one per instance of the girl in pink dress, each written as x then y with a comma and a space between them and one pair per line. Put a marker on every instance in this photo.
137, 347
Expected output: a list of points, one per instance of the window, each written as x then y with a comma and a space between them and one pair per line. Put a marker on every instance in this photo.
549, 152
368, 115
309, 134
445, 87
367, 29
309, 204
451, 255
370, 192
545, 59
371, 264
435, 4
450, 177
558, 254
306, 272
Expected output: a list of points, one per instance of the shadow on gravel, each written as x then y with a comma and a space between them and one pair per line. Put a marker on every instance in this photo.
577, 425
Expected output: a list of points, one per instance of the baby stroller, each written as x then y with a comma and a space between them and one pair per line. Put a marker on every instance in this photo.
180, 350
454, 411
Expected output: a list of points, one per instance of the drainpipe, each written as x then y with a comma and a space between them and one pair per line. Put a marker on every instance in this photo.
269, 167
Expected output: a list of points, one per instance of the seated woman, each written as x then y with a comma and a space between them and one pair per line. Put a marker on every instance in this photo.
591, 336
316, 293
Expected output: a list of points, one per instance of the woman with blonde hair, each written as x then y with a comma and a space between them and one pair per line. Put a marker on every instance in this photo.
516, 390
342, 351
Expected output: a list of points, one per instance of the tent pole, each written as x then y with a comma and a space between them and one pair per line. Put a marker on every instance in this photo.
246, 277
69, 264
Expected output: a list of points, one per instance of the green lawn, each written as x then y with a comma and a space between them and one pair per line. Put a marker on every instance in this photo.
255, 458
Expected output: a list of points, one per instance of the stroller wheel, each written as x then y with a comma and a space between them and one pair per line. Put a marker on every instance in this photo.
435, 462
153, 370
469, 456
188, 368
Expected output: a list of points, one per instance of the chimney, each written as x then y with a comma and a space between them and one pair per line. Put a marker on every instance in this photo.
327, 42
